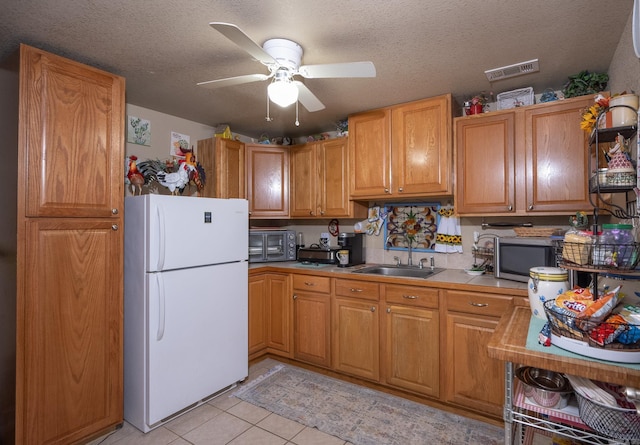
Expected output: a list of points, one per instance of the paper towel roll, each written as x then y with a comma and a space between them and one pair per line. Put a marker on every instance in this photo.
361, 226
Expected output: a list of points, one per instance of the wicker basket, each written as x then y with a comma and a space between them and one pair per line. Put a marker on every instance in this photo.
570, 326
602, 256
534, 231
618, 423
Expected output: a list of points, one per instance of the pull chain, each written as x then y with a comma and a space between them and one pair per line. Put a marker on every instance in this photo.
297, 121
268, 118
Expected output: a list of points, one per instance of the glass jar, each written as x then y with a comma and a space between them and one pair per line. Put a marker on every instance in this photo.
615, 247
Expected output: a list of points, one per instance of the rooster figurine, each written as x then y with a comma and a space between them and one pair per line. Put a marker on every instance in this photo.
175, 181
136, 179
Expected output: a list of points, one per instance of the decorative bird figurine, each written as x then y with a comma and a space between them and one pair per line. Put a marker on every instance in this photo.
136, 179
196, 174
175, 181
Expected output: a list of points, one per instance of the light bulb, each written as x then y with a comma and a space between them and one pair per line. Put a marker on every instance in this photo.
282, 92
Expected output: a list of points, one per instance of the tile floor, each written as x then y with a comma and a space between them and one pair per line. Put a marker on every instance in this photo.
225, 420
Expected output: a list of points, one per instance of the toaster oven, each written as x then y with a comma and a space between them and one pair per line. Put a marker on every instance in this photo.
272, 245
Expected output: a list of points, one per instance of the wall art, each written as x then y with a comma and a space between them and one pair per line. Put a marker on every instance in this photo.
138, 131
415, 223
179, 144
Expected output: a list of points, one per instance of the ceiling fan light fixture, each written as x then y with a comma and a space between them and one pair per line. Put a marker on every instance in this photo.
282, 92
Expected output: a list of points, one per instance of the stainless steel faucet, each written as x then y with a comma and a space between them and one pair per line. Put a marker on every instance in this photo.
409, 247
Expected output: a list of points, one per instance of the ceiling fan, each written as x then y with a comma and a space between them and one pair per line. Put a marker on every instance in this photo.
283, 58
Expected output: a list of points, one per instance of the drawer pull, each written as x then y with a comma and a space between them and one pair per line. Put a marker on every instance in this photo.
353, 289
410, 297
479, 304
373, 308
308, 283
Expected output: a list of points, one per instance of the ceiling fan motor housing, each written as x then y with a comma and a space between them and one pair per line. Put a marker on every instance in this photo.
288, 54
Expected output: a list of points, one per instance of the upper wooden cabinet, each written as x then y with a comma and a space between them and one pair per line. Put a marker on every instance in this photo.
530, 160
267, 181
402, 151
320, 181
223, 161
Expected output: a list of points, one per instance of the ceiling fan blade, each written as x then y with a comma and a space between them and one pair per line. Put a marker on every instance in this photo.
307, 98
237, 36
230, 81
349, 69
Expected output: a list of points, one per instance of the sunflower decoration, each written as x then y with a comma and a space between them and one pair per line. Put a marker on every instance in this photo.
591, 114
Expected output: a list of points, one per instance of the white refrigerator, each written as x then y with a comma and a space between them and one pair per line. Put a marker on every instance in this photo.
185, 303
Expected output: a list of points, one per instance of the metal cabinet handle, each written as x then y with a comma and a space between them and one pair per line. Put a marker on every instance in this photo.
114, 227
295, 296
114, 211
353, 289
388, 310
400, 189
308, 283
479, 304
386, 190
310, 213
373, 308
410, 297
530, 207
322, 212
509, 207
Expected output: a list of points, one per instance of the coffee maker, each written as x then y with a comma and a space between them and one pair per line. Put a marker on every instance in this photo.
354, 243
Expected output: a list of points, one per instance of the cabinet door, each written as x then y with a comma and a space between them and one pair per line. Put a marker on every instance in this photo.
411, 354
370, 154
72, 137
421, 141
223, 161
333, 158
268, 181
473, 379
356, 337
485, 164
257, 314
305, 176
278, 313
557, 157
311, 328
69, 330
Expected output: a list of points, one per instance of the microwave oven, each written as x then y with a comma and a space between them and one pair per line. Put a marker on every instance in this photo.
272, 245
514, 256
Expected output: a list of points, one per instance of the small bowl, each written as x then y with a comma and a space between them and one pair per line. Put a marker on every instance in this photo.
474, 273
549, 389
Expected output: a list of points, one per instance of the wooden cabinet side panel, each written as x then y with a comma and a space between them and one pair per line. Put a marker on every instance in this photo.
257, 313
370, 153
75, 158
485, 164
557, 157
69, 357
472, 378
422, 153
205, 154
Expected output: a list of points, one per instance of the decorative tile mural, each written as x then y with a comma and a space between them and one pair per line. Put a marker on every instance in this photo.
414, 223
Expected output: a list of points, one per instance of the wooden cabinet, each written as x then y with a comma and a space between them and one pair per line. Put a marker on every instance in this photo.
320, 181
473, 379
402, 151
356, 328
530, 160
411, 339
311, 319
267, 181
224, 162
269, 315
69, 291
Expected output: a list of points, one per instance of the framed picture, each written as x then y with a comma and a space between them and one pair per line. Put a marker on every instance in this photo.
415, 223
179, 144
138, 131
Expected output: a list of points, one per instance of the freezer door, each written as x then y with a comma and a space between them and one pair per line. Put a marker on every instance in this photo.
190, 231
197, 335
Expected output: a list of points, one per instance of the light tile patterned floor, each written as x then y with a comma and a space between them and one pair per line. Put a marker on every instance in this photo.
225, 420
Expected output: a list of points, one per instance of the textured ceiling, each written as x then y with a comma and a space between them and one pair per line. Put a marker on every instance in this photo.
420, 48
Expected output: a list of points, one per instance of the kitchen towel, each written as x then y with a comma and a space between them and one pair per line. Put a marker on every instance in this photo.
449, 235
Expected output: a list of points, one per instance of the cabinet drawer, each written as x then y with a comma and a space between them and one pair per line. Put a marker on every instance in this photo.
410, 295
312, 283
478, 303
358, 289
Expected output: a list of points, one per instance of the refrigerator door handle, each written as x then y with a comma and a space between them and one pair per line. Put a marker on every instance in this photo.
161, 308
161, 236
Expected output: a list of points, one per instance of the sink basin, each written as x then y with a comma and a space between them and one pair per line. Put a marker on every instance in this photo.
399, 271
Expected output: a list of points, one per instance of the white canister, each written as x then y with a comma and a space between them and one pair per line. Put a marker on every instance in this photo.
623, 116
545, 283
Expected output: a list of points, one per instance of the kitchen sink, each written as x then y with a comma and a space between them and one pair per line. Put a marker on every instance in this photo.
399, 271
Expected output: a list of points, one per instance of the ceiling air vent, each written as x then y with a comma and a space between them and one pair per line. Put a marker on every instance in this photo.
530, 66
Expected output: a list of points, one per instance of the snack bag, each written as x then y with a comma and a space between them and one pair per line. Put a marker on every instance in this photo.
599, 309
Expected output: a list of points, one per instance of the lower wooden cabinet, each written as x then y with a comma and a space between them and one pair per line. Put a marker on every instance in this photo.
269, 314
311, 319
473, 379
411, 339
356, 328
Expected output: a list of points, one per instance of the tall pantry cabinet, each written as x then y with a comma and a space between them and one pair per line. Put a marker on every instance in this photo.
67, 251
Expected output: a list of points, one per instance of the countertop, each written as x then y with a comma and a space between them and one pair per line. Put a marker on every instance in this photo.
508, 344
456, 279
